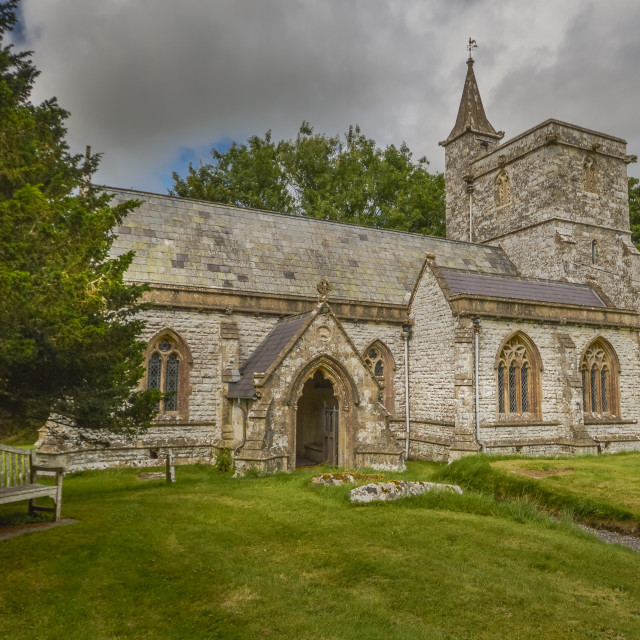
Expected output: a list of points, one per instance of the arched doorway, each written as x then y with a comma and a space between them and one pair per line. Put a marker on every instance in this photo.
317, 428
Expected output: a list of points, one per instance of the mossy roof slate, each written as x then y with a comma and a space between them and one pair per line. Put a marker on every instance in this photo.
182, 242
461, 282
265, 355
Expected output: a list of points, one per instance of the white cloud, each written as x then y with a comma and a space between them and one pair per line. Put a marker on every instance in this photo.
145, 79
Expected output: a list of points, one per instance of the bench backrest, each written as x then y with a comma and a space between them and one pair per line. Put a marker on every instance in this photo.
15, 466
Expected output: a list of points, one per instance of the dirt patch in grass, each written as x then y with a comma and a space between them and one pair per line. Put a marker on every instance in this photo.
152, 475
536, 473
11, 531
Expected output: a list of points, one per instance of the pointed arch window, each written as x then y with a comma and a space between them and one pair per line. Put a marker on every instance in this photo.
168, 364
502, 189
518, 378
380, 361
599, 369
590, 170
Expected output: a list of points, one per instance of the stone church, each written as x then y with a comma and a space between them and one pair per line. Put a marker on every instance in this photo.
292, 341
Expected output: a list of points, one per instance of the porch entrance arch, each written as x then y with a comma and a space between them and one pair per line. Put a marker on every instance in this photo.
322, 397
317, 423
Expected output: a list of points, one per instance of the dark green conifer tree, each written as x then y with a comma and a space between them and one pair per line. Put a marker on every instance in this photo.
69, 327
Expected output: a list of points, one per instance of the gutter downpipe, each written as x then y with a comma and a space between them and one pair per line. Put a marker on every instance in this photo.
406, 334
476, 390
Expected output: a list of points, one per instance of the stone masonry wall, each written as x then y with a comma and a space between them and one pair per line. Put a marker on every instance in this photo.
431, 370
364, 333
563, 250
552, 427
545, 169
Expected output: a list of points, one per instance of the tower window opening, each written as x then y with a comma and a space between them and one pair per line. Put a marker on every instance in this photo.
594, 256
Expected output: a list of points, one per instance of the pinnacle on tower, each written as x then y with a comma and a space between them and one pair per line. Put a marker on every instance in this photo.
471, 115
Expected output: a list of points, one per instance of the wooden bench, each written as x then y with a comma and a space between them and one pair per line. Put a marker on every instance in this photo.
18, 480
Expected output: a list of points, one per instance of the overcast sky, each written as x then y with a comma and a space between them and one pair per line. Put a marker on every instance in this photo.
152, 84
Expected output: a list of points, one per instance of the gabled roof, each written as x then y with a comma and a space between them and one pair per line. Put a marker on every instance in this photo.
471, 115
461, 282
190, 243
265, 355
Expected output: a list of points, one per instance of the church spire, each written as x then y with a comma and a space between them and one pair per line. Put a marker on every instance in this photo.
471, 115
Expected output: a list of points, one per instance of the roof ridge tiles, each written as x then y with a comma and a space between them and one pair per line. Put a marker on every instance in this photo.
350, 225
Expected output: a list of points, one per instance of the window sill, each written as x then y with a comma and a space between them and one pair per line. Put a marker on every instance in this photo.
521, 422
605, 419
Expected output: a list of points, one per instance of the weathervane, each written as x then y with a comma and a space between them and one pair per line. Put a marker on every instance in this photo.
471, 46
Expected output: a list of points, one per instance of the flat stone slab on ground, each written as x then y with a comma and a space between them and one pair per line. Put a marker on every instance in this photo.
334, 479
396, 489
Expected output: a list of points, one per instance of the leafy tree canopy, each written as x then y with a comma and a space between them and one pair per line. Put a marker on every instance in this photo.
68, 330
345, 178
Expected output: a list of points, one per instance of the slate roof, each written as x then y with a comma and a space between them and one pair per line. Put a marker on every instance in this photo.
265, 355
471, 113
182, 242
521, 288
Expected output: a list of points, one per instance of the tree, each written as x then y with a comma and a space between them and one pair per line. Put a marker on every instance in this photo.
69, 328
348, 179
634, 210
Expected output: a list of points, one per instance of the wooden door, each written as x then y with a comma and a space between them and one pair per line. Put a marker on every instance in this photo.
330, 435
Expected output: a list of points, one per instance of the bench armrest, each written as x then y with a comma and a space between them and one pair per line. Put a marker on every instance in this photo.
59, 471
37, 467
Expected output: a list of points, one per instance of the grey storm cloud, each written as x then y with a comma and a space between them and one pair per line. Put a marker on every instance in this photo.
149, 82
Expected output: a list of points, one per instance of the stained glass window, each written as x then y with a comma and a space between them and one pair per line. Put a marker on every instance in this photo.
524, 384
171, 383
380, 362
155, 372
517, 381
599, 382
163, 372
513, 407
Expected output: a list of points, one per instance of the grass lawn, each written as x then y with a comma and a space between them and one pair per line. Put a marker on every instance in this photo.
611, 478
274, 557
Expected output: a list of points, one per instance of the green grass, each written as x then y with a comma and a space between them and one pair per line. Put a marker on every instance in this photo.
488, 475
608, 478
274, 557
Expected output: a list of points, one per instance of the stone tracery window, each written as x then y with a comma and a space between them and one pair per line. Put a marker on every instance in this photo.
599, 370
167, 370
380, 361
590, 170
518, 387
502, 189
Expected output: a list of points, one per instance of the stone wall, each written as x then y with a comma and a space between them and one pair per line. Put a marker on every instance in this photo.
560, 349
564, 250
545, 167
364, 333
431, 371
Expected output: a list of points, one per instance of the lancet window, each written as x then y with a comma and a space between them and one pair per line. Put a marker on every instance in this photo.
599, 371
502, 189
518, 385
167, 363
380, 361
590, 174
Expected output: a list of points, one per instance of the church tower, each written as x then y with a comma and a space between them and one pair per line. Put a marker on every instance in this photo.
554, 198
471, 137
